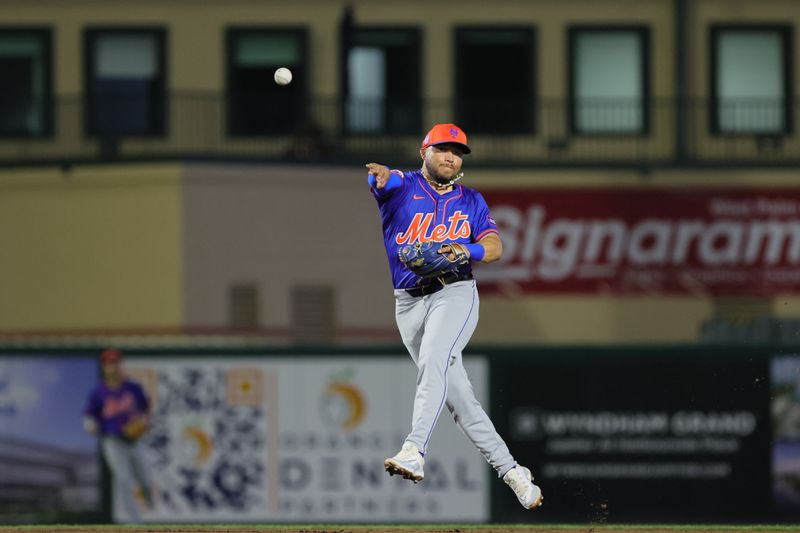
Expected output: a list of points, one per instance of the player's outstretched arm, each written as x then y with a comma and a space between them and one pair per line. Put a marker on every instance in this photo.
382, 180
493, 247
380, 172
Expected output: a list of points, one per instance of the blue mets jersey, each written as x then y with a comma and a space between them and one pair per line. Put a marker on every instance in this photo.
113, 408
416, 212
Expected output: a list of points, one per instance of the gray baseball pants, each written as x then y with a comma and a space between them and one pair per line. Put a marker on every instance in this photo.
435, 329
127, 472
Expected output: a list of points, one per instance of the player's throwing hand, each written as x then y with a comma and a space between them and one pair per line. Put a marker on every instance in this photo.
380, 172
452, 251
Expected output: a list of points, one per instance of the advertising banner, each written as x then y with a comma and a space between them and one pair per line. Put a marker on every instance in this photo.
785, 407
641, 435
49, 466
624, 240
299, 439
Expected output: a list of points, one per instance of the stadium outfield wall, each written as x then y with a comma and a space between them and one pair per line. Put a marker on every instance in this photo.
673, 434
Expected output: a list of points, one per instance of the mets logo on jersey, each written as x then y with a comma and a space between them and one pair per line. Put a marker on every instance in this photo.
420, 229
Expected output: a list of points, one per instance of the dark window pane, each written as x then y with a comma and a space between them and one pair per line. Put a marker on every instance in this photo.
125, 106
16, 98
256, 104
402, 89
126, 86
486, 102
24, 94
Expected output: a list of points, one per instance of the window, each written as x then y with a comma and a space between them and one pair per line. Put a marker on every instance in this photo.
382, 80
256, 104
25, 98
485, 57
608, 80
125, 82
750, 79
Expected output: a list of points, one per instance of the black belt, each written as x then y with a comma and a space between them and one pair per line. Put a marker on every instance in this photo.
438, 284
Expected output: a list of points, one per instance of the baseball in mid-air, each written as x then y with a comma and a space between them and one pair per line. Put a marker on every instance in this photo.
283, 76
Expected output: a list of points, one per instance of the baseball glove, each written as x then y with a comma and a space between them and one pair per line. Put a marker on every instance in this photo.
424, 259
135, 428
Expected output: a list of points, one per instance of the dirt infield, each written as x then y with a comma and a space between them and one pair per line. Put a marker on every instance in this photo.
488, 528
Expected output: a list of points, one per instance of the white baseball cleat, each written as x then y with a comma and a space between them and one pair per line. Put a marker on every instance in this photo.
407, 463
521, 482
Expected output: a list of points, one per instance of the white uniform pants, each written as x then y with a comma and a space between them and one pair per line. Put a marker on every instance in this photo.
435, 329
127, 473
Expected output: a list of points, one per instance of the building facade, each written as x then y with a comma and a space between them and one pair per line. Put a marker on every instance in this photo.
222, 199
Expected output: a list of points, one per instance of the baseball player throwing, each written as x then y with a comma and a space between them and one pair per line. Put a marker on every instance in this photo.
117, 412
433, 228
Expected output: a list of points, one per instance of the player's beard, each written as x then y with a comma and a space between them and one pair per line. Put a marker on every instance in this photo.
433, 173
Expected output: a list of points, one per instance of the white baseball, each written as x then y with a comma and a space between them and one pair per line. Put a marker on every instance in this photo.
283, 76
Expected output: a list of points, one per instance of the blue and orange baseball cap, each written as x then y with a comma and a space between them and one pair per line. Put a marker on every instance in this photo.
446, 133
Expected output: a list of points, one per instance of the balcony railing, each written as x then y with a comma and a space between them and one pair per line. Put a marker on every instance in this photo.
545, 132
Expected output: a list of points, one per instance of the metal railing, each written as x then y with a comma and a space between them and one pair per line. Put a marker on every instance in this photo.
325, 129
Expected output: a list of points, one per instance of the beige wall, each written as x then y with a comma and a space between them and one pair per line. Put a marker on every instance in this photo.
707, 12
157, 246
195, 33
236, 216
196, 62
550, 17
278, 227
591, 320
196, 30
701, 16
282, 226
94, 248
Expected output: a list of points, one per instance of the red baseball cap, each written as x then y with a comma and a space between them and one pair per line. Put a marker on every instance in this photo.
111, 355
446, 133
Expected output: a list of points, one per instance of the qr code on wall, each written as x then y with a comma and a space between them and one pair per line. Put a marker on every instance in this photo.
208, 448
